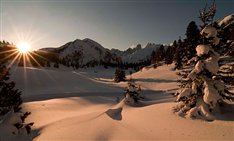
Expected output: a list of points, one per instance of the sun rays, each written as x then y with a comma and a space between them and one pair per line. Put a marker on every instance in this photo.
23, 47
21, 55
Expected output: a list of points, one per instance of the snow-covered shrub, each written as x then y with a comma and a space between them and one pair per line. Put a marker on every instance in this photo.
131, 93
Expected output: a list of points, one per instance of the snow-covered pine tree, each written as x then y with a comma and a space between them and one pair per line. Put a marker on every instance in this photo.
203, 93
226, 31
131, 92
119, 75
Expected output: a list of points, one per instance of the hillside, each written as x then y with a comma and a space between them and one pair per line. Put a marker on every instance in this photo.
72, 112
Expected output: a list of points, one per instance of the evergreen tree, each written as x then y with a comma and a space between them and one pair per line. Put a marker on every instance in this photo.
203, 92
9, 96
152, 58
192, 32
160, 54
193, 35
175, 44
119, 75
10, 100
178, 55
169, 55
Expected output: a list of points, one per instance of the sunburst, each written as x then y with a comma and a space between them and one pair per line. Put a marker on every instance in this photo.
23, 47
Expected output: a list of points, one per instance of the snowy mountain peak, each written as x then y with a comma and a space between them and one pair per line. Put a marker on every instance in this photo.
82, 52
149, 45
138, 53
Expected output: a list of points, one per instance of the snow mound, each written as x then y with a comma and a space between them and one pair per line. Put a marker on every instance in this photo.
209, 31
202, 49
227, 20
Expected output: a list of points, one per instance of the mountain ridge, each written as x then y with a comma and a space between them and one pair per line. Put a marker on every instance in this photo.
87, 51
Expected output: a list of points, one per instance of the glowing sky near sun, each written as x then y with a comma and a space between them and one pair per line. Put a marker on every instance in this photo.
114, 24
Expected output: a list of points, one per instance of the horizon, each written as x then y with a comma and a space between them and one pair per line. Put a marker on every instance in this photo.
112, 24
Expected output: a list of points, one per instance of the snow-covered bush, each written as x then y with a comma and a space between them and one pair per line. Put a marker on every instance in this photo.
203, 93
131, 93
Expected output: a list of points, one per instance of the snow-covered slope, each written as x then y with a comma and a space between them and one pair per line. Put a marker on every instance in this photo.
93, 113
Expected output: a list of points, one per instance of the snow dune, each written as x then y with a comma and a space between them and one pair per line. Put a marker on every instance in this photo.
83, 105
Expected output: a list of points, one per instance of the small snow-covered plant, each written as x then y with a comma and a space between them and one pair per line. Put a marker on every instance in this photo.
131, 92
203, 92
119, 75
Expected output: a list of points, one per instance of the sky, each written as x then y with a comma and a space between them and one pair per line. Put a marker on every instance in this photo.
112, 23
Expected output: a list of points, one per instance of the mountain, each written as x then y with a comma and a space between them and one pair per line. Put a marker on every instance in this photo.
81, 53
138, 53
87, 52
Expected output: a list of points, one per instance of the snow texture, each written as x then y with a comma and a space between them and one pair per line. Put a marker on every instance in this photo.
227, 20
185, 92
211, 94
209, 32
197, 69
81, 105
202, 49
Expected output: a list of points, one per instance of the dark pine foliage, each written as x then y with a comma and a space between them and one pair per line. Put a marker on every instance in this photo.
193, 37
9, 96
119, 75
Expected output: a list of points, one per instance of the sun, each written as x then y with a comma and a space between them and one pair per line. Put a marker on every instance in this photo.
24, 47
